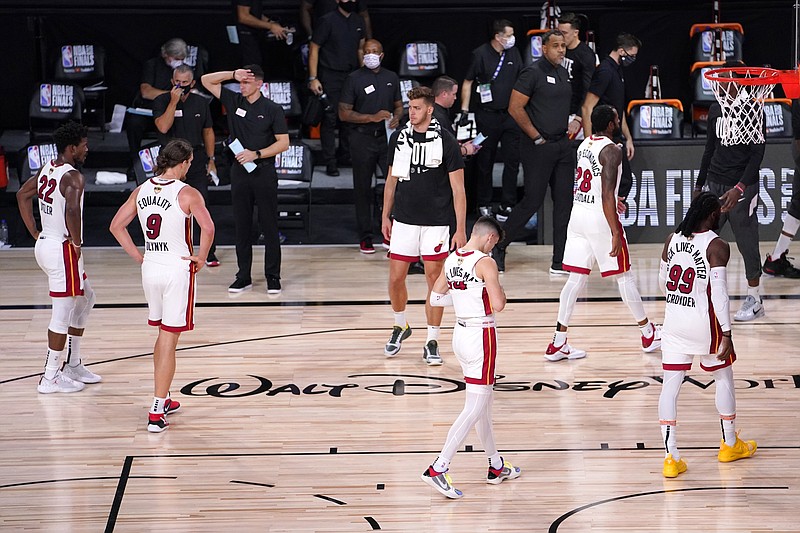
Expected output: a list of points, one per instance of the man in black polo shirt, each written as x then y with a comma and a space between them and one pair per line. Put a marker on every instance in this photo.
608, 87
334, 53
580, 61
370, 97
313, 10
491, 75
181, 114
260, 126
251, 23
540, 105
445, 91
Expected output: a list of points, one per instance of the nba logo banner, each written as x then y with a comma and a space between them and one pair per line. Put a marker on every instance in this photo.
536, 47
77, 58
147, 160
279, 92
66, 57
644, 117
411, 54
45, 95
39, 155
707, 42
427, 56
706, 83
290, 161
191, 58
56, 98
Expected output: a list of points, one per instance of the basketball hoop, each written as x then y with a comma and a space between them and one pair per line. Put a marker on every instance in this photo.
740, 92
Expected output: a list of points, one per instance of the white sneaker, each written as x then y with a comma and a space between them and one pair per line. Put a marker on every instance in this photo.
750, 310
565, 351
81, 374
59, 383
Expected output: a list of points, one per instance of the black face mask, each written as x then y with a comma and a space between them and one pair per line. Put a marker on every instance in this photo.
627, 61
348, 7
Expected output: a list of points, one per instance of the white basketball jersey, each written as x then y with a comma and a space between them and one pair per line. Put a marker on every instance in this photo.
690, 325
470, 299
588, 187
167, 229
52, 204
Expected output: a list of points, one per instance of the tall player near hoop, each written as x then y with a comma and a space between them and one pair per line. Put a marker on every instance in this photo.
165, 207
595, 233
59, 187
470, 283
693, 277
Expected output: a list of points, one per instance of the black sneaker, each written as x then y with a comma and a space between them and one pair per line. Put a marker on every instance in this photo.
157, 423
416, 268
430, 354
212, 260
240, 285
331, 169
273, 285
398, 336
499, 256
366, 246
780, 267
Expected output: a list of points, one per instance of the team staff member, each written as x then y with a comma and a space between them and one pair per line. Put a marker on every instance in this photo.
335, 52
492, 74
608, 87
251, 23
181, 114
312, 10
169, 264
370, 97
424, 193
259, 125
580, 61
540, 105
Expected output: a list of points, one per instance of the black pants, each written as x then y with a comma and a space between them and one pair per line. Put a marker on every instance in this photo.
332, 83
197, 178
626, 179
256, 189
551, 164
367, 151
500, 128
135, 128
744, 223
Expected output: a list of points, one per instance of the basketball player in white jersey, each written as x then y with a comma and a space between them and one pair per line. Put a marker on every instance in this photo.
59, 188
595, 233
165, 207
470, 283
697, 322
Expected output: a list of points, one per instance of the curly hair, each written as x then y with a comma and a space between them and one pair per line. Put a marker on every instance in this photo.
69, 134
702, 207
421, 92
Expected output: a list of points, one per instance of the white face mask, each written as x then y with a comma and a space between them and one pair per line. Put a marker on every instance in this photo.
372, 61
509, 43
175, 63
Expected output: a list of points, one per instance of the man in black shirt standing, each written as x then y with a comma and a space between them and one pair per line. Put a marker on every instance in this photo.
251, 22
424, 193
491, 75
313, 10
259, 125
731, 173
370, 98
335, 52
445, 91
580, 62
608, 87
540, 105
181, 114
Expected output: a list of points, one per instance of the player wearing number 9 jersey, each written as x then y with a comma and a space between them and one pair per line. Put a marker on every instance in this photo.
165, 207
697, 323
595, 234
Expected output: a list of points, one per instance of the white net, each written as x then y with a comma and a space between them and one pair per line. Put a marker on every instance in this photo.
742, 105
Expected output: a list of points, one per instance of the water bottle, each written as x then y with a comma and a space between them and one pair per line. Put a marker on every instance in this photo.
3, 233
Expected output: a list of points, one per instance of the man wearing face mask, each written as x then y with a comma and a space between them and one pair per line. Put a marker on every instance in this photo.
181, 114
491, 76
335, 51
370, 100
156, 80
608, 87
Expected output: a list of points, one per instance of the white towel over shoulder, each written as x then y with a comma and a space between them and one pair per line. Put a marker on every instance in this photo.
434, 154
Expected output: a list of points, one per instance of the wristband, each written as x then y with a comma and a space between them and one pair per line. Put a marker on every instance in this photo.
212, 158
538, 140
739, 188
728, 334
312, 78
258, 154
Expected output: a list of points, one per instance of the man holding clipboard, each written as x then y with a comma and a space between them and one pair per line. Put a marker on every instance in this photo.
258, 133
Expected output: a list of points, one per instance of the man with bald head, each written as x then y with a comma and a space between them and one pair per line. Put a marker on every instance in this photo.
370, 102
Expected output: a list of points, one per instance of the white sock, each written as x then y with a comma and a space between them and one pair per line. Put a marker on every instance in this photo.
400, 319
790, 226
728, 429
647, 330
52, 363
441, 464
669, 439
433, 333
559, 338
755, 292
74, 350
158, 406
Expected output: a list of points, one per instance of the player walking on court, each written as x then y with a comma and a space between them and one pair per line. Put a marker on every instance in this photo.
693, 277
165, 207
470, 283
595, 233
59, 188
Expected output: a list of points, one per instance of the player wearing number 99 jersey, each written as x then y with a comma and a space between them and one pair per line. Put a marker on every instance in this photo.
165, 207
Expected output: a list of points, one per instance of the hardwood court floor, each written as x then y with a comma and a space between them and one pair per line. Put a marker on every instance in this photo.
294, 421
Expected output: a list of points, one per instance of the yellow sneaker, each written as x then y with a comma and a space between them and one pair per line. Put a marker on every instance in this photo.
672, 467
740, 450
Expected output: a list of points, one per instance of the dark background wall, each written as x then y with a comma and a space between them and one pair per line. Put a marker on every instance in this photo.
133, 31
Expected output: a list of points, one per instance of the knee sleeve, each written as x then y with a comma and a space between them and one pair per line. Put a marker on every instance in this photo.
630, 295
725, 397
569, 295
62, 312
668, 400
83, 305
